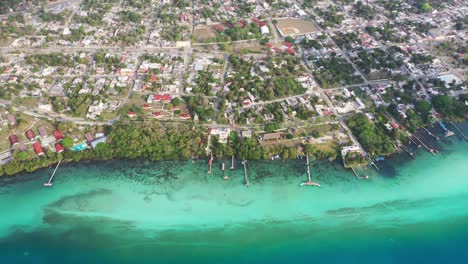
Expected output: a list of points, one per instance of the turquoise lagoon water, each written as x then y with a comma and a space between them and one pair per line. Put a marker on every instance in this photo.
412, 211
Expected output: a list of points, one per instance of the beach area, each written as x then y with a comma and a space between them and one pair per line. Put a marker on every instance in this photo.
174, 212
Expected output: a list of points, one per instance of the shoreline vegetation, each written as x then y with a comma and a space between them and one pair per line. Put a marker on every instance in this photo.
155, 141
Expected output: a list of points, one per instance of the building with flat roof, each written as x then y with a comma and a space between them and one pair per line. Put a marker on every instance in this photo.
96, 141
6, 157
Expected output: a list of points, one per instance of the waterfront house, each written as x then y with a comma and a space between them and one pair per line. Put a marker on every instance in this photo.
30, 135
38, 149
58, 135
42, 131
13, 140
59, 148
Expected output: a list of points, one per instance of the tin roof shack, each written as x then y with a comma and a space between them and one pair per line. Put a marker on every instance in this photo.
96, 141
6, 157
89, 137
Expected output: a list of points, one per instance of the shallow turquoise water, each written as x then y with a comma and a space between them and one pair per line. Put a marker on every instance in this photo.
174, 212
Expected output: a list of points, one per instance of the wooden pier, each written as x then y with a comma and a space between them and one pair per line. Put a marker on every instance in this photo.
246, 178
431, 134
428, 149
428, 143
223, 168
405, 149
459, 130
210, 164
309, 181
357, 175
232, 162
49, 183
375, 165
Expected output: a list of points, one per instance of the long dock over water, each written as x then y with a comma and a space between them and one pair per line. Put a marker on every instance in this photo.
424, 145
405, 149
246, 177
459, 130
309, 178
431, 134
357, 175
49, 183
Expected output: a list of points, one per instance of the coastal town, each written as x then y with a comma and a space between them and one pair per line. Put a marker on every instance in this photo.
250, 79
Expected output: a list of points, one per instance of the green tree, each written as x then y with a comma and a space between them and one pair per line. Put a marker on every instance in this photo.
67, 142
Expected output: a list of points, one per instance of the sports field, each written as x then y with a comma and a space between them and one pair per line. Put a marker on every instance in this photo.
294, 26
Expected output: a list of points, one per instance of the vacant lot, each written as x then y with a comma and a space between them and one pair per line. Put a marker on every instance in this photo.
203, 32
294, 26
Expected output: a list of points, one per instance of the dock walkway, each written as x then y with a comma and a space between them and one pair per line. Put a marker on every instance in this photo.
49, 183
246, 177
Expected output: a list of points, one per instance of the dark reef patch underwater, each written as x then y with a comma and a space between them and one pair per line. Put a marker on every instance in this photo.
412, 211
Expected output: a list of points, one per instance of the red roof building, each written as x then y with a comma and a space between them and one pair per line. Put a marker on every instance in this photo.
58, 135
258, 22
290, 51
269, 45
131, 114
218, 27
13, 139
38, 149
59, 148
146, 106
185, 116
30, 135
394, 125
153, 78
288, 44
162, 97
278, 50
242, 23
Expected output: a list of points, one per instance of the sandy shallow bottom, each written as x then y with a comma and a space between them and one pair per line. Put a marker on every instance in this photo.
174, 212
